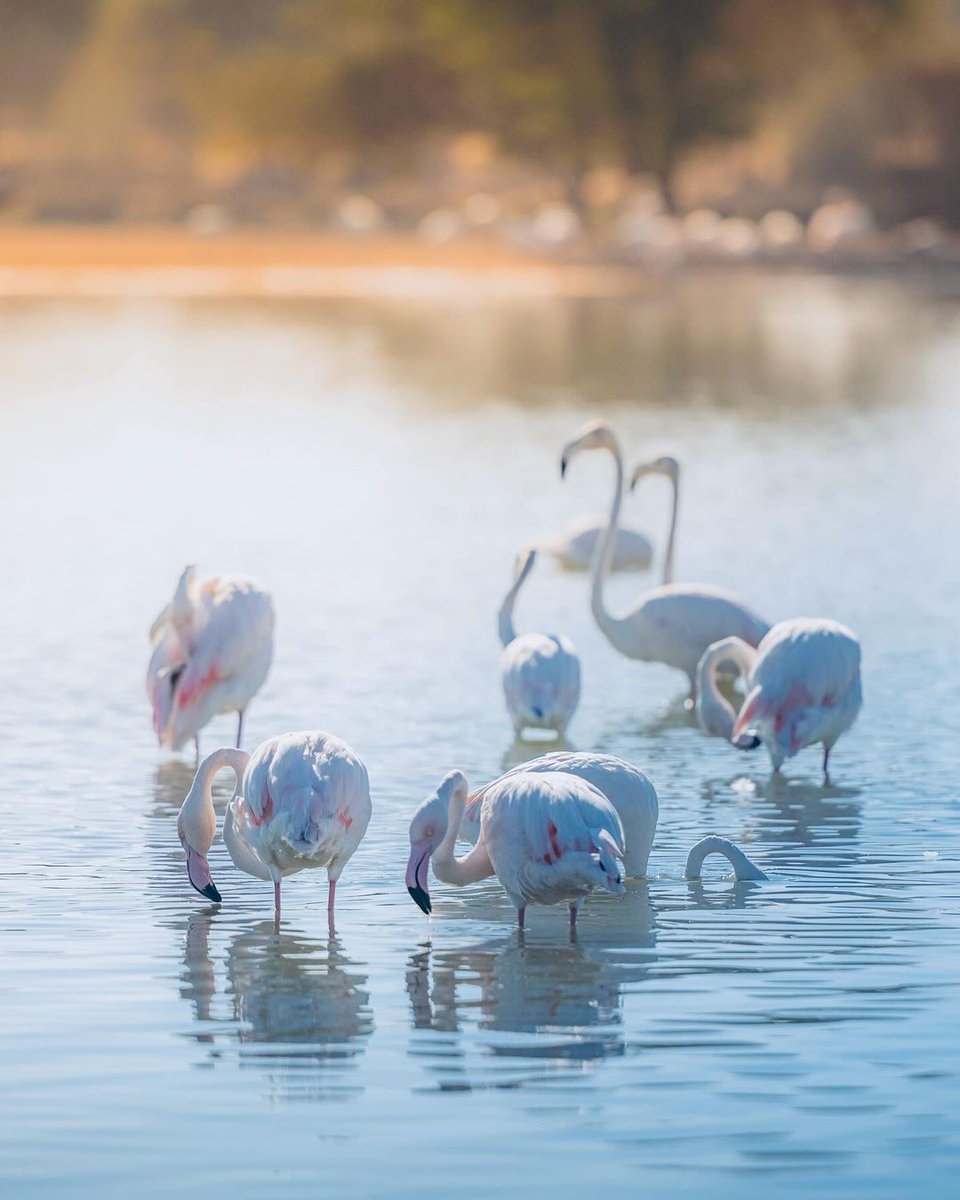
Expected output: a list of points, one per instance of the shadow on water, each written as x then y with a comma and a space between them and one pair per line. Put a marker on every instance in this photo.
295, 1008
522, 750
539, 998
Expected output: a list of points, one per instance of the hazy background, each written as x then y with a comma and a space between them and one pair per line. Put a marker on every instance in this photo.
375, 113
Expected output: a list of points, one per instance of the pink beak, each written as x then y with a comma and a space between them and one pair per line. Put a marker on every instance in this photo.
198, 872
418, 871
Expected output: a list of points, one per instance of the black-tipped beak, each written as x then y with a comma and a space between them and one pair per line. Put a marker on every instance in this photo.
563, 467
747, 741
421, 899
211, 893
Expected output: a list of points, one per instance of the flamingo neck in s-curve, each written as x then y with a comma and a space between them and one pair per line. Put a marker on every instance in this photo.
743, 868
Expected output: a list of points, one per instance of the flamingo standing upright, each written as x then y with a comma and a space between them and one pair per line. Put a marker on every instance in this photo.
803, 685
674, 623
301, 800
212, 648
540, 672
549, 837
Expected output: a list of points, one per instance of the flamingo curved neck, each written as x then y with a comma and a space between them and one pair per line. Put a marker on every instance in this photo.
668, 572
743, 868
603, 558
446, 866
505, 616
197, 819
715, 712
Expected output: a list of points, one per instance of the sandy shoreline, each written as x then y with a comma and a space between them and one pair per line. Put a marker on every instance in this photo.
111, 261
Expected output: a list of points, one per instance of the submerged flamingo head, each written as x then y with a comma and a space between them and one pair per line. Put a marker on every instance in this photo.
595, 435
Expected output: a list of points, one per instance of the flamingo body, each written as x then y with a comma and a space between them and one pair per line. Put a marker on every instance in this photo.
575, 545
540, 672
552, 838
803, 683
302, 800
213, 646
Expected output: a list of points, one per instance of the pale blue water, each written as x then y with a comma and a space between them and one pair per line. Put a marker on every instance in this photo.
377, 466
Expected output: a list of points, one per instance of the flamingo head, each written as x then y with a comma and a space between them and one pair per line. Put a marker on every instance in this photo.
428, 828
595, 435
609, 859
196, 826
664, 465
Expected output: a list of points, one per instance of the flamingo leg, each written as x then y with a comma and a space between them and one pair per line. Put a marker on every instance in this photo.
196, 749
826, 762
276, 906
331, 896
240, 729
521, 913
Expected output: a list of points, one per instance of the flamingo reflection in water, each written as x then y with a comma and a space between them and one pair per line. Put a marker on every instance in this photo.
294, 1007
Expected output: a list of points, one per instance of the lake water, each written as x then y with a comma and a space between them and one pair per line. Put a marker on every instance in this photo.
377, 466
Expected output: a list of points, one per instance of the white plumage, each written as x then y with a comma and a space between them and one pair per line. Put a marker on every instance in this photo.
302, 800
574, 546
212, 649
628, 790
673, 623
540, 672
803, 683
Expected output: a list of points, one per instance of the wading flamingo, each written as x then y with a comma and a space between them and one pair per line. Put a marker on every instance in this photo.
540, 672
743, 868
803, 687
629, 791
674, 623
301, 800
212, 648
575, 545
549, 837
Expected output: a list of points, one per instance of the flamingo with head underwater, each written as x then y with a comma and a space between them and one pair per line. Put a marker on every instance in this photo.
627, 789
803, 687
674, 623
301, 800
549, 837
212, 648
540, 672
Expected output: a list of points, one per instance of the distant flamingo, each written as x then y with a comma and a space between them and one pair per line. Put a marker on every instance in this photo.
549, 837
540, 672
670, 469
301, 800
628, 790
213, 644
671, 624
804, 687
743, 868
575, 545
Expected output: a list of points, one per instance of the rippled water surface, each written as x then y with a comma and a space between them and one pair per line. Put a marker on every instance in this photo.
377, 466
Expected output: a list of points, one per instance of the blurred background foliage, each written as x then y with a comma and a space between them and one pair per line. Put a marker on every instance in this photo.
277, 109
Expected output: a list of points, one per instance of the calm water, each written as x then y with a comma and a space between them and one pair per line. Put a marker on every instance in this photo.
377, 466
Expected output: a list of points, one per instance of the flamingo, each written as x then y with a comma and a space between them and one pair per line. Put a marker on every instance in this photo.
301, 800
628, 790
212, 648
549, 837
743, 868
674, 623
540, 672
803, 685
670, 469
575, 545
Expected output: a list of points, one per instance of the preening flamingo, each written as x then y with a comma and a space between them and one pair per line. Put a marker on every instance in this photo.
212, 648
540, 672
575, 545
674, 623
803, 684
743, 868
627, 789
301, 800
549, 837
